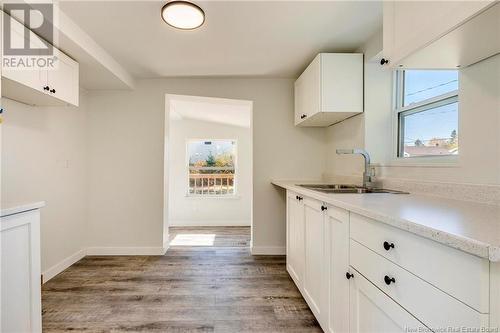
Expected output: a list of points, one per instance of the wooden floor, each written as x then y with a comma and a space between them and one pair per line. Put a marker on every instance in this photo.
216, 287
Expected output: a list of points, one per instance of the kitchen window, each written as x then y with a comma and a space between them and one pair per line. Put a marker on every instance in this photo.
427, 113
211, 167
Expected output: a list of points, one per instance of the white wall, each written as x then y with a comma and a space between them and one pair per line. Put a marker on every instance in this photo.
346, 134
126, 136
371, 130
207, 211
44, 158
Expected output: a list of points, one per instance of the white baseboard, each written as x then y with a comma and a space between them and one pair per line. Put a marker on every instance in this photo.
201, 223
166, 245
268, 250
136, 251
125, 251
62, 265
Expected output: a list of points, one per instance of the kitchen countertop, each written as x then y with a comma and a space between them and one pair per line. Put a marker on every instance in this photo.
468, 226
11, 208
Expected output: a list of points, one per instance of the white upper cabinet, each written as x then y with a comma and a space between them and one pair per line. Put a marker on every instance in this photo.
42, 86
440, 34
329, 90
27, 77
63, 81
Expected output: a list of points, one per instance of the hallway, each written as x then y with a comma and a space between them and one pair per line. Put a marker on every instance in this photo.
206, 282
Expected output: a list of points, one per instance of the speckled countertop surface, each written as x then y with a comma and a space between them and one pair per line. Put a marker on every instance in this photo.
468, 226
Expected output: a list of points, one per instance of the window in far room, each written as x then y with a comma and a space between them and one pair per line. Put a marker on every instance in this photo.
211, 167
427, 113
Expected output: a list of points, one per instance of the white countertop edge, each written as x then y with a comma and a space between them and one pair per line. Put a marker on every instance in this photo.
12, 209
472, 246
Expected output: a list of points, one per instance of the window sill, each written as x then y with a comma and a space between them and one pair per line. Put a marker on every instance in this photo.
422, 162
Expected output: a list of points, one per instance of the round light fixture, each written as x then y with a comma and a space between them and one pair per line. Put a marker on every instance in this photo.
183, 15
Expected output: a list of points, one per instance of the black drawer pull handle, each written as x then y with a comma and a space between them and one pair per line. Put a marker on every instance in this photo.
323, 208
349, 275
303, 116
389, 280
388, 246
46, 88
53, 91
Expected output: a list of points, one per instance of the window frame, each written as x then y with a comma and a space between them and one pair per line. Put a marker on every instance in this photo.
235, 177
399, 111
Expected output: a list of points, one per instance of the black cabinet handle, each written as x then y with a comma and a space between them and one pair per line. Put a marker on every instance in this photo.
389, 280
349, 275
303, 116
300, 198
46, 88
384, 61
324, 208
388, 246
53, 91
297, 197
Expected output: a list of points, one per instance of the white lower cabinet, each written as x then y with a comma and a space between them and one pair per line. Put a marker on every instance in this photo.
360, 275
372, 311
20, 289
314, 274
318, 258
295, 238
338, 260
413, 293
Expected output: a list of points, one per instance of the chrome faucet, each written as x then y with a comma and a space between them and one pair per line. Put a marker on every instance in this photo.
367, 177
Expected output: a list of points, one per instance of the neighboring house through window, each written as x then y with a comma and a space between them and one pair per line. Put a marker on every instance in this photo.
427, 112
211, 167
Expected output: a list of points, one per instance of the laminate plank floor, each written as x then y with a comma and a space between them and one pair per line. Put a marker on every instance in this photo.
206, 282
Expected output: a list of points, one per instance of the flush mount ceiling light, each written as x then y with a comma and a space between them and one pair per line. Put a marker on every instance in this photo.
183, 15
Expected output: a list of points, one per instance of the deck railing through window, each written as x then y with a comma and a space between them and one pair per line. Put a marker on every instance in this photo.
211, 181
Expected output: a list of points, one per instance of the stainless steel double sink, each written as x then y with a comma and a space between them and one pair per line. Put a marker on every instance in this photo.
345, 188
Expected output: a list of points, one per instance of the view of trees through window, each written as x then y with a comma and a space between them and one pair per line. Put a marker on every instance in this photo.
211, 167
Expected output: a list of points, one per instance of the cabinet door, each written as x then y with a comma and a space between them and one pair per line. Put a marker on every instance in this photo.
338, 243
307, 91
27, 77
295, 238
314, 281
373, 311
342, 82
20, 273
63, 80
410, 25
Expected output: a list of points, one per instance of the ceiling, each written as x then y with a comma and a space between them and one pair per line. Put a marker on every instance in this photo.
216, 110
239, 38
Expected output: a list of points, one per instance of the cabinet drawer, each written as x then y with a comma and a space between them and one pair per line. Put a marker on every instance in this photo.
459, 274
431, 306
373, 311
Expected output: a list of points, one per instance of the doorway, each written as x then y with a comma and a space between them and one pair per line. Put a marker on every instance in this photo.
208, 169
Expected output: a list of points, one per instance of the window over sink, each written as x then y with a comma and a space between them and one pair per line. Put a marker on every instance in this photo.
211, 167
426, 111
